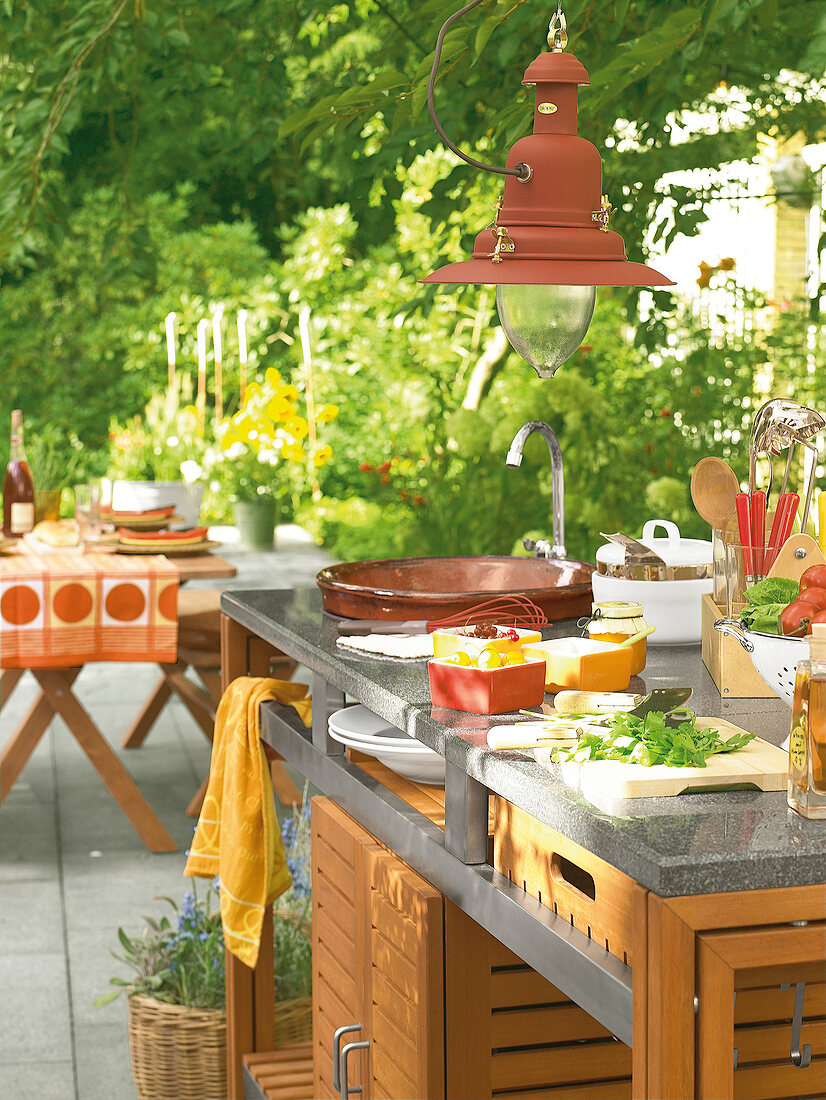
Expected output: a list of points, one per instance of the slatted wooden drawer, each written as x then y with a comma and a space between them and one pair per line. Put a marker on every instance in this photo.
580, 887
512, 1034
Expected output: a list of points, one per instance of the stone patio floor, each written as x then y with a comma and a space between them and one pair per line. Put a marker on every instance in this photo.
72, 870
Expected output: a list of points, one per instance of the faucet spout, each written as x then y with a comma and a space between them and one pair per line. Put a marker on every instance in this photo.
514, 460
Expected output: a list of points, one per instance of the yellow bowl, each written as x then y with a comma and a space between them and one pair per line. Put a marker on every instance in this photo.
583, 665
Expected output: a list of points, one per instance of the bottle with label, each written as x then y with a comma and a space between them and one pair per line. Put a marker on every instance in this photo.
807, 742
18, 485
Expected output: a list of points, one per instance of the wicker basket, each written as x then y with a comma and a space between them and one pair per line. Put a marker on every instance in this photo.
177, 1053
293, 1020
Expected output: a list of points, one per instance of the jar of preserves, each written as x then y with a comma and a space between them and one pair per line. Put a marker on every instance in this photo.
616, 621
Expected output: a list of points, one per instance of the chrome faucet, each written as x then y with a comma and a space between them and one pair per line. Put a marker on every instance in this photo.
514, 458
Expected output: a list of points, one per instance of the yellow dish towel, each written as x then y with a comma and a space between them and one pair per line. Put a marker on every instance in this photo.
237, 836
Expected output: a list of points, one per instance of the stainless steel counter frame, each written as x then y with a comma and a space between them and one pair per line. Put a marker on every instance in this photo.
455, 862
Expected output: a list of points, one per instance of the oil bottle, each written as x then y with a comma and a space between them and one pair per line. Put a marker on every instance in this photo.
807, 742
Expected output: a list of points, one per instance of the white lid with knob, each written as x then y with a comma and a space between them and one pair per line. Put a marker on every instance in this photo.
673, 549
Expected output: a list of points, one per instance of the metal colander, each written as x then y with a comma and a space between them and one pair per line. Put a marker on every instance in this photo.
773, 656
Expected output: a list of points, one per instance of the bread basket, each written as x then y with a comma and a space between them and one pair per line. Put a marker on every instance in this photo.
773, 656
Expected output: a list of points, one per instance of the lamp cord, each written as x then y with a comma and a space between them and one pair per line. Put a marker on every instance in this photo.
523, 172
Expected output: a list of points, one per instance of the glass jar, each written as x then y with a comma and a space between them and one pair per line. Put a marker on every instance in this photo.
615, 621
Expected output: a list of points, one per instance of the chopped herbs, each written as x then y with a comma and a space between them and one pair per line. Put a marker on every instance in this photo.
648, 741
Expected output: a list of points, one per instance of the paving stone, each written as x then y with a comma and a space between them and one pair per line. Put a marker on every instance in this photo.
31, 918
38, 1080
34, 1009
103, 1068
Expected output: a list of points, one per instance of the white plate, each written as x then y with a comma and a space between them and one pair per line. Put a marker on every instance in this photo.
413, 761
363, 725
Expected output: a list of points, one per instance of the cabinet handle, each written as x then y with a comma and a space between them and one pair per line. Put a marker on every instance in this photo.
337, 1034
347, 1090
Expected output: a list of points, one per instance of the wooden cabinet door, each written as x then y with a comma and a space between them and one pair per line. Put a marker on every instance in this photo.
338, 852
377, 961
403, 981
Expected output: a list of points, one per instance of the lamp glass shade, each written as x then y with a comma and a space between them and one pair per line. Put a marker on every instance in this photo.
545, 324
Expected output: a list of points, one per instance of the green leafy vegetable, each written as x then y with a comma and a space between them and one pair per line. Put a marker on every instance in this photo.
772, 590
650, 741
766, 600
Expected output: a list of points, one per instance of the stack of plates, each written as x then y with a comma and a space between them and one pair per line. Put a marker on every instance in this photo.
358, 728
171, 543
154, 519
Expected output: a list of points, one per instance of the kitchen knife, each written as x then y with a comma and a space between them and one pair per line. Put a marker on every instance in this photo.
663, 699
602, 702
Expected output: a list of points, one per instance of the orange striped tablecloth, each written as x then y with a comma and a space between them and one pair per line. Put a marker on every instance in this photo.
59, 610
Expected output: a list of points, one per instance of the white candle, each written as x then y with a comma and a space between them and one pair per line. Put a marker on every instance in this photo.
307, 353
219, 370
169, 321
200, 403
242, 350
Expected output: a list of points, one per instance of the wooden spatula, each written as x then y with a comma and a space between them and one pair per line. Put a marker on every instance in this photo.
797, 554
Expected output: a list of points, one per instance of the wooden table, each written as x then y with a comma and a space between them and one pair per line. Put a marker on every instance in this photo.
57, 698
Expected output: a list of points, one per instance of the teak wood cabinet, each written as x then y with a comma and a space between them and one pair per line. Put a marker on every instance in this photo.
377, 966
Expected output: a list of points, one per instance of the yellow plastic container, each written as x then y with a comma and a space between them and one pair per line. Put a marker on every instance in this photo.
582, 664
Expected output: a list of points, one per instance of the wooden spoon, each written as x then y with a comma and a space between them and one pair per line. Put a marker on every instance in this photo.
714, 487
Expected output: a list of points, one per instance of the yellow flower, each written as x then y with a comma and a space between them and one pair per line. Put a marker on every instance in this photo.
297, 427
251, 394
280, 409
230, 437
293, 451
273, 377
327, 413
290, 392
322, 455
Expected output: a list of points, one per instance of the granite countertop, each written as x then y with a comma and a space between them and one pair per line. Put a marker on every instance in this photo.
688, 844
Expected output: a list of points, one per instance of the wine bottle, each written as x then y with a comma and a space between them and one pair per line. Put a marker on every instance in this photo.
18, 485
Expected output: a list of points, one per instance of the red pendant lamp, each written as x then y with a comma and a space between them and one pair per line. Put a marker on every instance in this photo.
549, 246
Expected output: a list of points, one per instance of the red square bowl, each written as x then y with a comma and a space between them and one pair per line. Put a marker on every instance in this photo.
486, 690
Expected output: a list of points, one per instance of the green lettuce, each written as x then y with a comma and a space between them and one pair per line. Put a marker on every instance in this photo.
766, 600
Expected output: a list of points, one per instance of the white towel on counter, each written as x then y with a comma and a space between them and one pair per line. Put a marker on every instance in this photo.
391, 645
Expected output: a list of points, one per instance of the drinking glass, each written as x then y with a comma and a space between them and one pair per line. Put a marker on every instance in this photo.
87, 512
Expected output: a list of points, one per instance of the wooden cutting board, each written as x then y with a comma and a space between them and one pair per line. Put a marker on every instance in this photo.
759, 765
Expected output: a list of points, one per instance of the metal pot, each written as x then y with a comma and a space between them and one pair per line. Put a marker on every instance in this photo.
671, 593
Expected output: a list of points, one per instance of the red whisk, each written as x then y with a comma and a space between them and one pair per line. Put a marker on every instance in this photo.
501, 610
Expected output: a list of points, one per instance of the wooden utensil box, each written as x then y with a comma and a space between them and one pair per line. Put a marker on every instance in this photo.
729, 664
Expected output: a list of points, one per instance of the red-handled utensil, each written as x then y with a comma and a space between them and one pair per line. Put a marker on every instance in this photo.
784, 517
743, 506
758, 530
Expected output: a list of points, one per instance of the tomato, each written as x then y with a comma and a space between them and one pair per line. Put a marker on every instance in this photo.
815, 596
814, 577
794, 620
820, 617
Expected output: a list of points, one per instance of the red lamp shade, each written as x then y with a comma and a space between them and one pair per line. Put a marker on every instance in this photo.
552, 229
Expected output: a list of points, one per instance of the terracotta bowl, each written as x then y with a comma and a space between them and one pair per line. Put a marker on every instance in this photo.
432, 588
